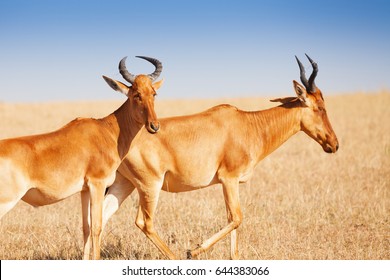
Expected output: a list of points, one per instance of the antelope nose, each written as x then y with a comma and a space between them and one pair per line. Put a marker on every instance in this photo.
333, 149
155, 126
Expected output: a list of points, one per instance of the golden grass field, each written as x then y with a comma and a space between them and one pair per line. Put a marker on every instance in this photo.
300, 204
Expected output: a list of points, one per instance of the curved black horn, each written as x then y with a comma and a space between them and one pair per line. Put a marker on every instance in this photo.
309, 85
302, 74
156, 64
313, 75
125, 74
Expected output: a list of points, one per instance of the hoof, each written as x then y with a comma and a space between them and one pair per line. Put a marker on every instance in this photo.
189, 255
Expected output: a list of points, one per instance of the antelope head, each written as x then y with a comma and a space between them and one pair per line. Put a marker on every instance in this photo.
315, 122
141, 93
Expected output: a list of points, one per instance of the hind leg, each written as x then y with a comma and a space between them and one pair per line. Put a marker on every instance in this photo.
116, 194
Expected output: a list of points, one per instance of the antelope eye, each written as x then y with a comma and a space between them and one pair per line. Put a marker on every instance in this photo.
137, 96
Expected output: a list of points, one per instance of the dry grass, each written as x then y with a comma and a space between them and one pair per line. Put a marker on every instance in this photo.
300, 204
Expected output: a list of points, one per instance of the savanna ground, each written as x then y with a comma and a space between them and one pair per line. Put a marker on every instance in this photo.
300, 204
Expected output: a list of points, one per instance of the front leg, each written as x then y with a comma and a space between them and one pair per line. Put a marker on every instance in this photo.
232, 201
144, 221
85, 204
96, 190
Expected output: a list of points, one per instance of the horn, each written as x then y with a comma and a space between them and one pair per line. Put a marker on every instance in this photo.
309, 85
313, 75
156, 64
303, 75
125, 74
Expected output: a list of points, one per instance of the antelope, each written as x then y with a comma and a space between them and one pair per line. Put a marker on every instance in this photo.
82, 156
221, 145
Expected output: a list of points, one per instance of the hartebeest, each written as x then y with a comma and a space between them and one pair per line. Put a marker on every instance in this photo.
82, 156
221, 145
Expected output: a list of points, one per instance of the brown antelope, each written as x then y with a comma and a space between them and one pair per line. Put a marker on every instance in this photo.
82, 156
221, 145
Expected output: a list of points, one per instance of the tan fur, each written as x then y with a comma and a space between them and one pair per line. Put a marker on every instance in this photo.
81, 157
221, 145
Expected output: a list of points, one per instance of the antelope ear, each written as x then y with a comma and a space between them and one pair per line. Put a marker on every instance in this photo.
158, 84
284, 100
301, 92
117, 86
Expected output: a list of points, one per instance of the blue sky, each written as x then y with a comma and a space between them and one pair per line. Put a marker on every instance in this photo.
58, 50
